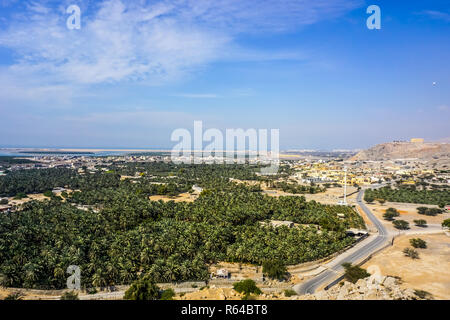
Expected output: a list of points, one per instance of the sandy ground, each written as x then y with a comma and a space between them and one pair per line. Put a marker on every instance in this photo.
211, 293
30, 197
331, 196
238, 270
408, 212
186, 197
37, 196
431, 272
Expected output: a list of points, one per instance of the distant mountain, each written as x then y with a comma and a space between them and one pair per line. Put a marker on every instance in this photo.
405, 150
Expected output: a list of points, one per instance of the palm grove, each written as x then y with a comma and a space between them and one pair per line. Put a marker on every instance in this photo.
120, 236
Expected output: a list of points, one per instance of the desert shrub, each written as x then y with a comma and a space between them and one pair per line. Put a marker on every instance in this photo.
418, 243
142, 289
91, 290
14, 296
420, 223
368, 198
446, 223
48, 193
390, 214
429, 211
401, 224
247, 287
354, 273
70, 295
289, 293
422, 294
411, 253
393, 211
168, 294
20, 195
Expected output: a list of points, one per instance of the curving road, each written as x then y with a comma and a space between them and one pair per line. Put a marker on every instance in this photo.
335, 267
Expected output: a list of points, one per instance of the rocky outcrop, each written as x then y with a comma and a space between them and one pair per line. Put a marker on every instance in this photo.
404, 150
372, 288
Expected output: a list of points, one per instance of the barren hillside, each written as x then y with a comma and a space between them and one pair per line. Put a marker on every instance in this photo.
405, 150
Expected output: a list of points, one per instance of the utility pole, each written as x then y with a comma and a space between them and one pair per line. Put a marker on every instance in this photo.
345, 185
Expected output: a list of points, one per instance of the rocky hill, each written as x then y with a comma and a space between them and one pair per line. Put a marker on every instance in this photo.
404, 150
382, 288
371, 288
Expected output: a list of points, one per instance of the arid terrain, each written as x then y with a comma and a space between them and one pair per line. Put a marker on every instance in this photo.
187, 197
430, 272
404, 150
408, 212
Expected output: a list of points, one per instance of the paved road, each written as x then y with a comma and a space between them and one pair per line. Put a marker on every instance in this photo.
335, 269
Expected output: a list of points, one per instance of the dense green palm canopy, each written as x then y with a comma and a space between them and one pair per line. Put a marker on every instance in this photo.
120, 235
409, 194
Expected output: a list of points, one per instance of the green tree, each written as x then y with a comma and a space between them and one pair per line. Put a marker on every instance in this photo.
393, 211
20, 195
246, 287
142, 289
446, 223
289, 293
168, 294
401, 224
48, 193
275, 269
422, 210
390, 214
354, 273
418, 243
420, 223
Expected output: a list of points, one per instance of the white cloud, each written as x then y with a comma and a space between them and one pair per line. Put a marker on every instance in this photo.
152, 41
197, 95
438, 15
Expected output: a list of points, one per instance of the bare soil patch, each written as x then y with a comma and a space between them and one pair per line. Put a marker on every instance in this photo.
431, 272
408, 212
186, 197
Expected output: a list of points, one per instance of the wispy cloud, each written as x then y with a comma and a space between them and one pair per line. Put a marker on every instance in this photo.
152, 41
438, 15
197, 95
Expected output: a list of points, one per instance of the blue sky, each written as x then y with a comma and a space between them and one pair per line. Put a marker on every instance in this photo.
137, 70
